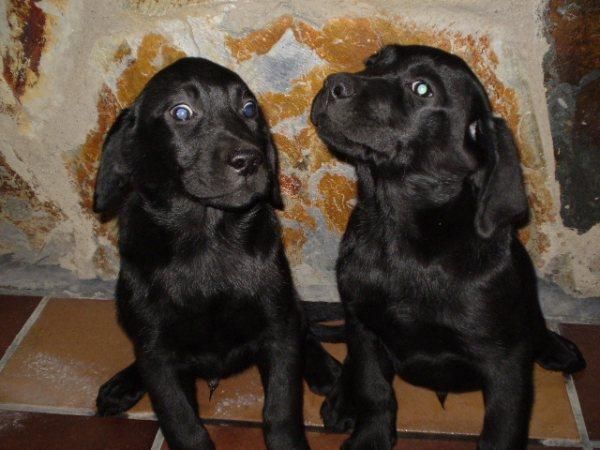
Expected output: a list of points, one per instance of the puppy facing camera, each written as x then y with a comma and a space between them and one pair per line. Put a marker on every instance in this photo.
204, 287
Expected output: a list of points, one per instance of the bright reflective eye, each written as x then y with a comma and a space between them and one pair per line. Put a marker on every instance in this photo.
421, 88
249, 109
182, 112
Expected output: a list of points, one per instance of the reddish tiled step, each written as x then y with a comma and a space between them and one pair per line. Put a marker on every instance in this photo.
14, 312
25, 430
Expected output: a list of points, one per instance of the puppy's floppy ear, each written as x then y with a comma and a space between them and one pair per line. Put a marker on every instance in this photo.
273, 166
501, 198
113, 179
385, 55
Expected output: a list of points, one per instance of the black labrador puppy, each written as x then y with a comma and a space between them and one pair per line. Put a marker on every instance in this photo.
435, 285
204, 288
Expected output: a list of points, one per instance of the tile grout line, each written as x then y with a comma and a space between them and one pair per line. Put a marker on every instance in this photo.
578, 413
159, 439
70, 411
12, 348
22, 407
574, 401
562, 443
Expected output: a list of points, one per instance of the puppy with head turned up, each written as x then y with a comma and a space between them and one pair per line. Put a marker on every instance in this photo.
435, 285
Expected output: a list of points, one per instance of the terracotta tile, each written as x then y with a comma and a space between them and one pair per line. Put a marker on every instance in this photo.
241, 397
420, 411
14, 312
76, 345
587, 337
233, 437
34, 431
251, 438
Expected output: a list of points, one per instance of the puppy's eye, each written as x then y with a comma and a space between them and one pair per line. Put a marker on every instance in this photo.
421, 88
181, 112
249, 109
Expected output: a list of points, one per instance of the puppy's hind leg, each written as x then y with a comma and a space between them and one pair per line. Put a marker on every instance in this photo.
121, 392
321, 370
560, 354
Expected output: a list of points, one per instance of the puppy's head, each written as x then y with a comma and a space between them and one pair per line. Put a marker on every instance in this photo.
195, 130
420, 115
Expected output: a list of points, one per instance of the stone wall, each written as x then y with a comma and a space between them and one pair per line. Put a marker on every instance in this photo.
69, 66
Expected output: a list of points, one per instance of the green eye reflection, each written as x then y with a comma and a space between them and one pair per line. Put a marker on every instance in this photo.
421, 88
182, 112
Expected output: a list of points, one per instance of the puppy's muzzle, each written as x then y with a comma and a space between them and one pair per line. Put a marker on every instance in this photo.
245, 161
340, 86
337, 88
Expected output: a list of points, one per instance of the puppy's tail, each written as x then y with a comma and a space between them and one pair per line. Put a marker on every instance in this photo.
317, 312
560, 354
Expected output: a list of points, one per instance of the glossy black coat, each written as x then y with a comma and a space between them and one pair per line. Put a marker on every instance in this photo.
435, 285
204, 287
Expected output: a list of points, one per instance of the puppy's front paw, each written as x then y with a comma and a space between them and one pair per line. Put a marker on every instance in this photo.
286, 441
207, 445
196, 441
119, 394
371, 438
561, 354
337, 412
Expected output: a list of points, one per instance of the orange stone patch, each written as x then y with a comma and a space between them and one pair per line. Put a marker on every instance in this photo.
319, 154
288, 148
298, 213
279, 106
258, 42
337, 193
293, 241
344, 44
154, 53
290, 185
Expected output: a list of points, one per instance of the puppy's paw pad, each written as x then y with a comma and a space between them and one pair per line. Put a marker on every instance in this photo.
117, 396
561, 355
324, 383
337, 415
369, 440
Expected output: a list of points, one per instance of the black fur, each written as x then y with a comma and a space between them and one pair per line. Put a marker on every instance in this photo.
204, 288
435, 285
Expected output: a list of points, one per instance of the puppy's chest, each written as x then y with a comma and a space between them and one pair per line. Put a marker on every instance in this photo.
215, 334
421, 305
211, 275
397, 276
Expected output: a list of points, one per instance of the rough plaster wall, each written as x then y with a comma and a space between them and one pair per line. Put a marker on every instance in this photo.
68, 67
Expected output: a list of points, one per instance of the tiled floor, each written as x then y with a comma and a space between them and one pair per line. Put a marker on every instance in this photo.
57, 352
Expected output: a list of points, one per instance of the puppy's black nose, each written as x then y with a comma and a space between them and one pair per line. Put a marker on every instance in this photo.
245, 161
340, 85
